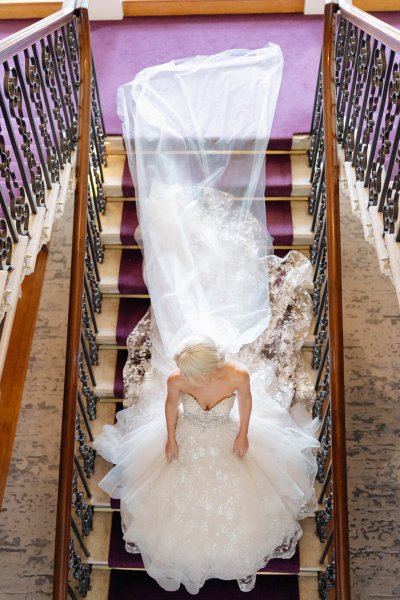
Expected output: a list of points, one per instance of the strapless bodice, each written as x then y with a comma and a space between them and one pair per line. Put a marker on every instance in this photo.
195, 414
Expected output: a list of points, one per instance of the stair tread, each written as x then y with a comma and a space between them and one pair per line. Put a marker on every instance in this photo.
121, 271
100, 582
300, 143
289, 223
309, 546
287, 175
120, 315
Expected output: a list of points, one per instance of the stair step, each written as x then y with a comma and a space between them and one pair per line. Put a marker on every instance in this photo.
120, 315
123, 584
121, 273
310, 548
118, 558
300, 145
289, 222
117, 319
108, 373
287, 175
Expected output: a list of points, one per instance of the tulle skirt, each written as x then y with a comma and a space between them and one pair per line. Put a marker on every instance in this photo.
211, 514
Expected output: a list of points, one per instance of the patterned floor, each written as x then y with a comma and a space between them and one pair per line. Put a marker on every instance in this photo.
371, 337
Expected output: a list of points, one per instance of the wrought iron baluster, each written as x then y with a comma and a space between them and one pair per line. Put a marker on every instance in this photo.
66, 87
25, 189
84, 415
82, 474
90, 335
5, 209
87, 452
49, 112
82, 510
33, 81
378, 122
50, 77
91, 398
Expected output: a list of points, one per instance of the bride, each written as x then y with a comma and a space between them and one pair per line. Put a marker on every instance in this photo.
214, 450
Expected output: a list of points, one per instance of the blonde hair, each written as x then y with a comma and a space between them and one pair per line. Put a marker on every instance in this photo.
197, 357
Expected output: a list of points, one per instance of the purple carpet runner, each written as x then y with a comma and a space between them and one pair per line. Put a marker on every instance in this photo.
122, 355
118, 558
278, 176
130, 311
129, 222
178, 37
128, 189
130, 585
130, 278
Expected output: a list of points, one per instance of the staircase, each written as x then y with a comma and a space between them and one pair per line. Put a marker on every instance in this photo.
115, 573
60, 101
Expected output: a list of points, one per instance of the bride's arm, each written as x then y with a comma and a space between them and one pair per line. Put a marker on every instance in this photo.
171, 415
241, 444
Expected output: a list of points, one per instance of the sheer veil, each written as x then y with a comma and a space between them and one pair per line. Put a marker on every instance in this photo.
196, 131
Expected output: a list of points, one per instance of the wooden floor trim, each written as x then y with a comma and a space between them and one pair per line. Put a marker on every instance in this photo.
28, 10
145, 8
16, 363
140, 8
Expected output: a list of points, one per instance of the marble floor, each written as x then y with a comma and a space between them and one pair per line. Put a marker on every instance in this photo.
27, 519
372, 350
371, 324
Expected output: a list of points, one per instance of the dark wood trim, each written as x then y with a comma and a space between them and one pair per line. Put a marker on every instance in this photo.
61, 554
383, 32
17, 361
339, 475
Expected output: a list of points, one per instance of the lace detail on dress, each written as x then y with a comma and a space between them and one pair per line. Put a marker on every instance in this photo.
290, 296
246, 584
138, 364
308, 509
290, 281
205, 419
288, 546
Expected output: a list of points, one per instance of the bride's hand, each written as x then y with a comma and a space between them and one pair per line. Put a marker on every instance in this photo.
241, 445
171, 450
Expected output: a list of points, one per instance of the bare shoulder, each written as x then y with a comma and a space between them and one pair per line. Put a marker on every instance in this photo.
237, 372
175, 381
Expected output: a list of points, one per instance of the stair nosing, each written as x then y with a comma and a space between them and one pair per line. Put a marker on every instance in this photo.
111, 246
298, 198
304, 571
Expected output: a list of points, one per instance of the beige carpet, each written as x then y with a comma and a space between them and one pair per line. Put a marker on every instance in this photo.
373, 425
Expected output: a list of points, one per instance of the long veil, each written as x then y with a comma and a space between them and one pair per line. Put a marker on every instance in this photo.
196, 132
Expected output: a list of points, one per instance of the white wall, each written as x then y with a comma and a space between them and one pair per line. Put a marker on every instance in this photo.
102, 10
314, 7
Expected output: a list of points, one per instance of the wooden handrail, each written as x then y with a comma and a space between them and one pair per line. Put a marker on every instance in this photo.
383, 32
341, 533
23, 38
74, 315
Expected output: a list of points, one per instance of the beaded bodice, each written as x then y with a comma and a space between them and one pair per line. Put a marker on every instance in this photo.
195, 414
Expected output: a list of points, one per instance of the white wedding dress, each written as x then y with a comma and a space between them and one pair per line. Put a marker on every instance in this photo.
211, 514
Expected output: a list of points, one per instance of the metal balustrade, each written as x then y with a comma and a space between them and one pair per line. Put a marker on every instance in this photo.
367, 85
